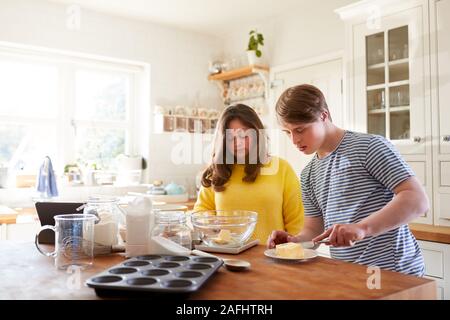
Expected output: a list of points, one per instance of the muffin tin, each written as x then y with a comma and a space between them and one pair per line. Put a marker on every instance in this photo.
156, 274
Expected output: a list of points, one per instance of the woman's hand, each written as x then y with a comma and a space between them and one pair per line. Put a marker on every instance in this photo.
278, 237
342, 235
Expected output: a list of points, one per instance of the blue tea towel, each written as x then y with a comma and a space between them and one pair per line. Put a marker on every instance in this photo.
47, 180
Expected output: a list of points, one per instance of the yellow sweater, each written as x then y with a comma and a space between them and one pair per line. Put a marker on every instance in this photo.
275, 195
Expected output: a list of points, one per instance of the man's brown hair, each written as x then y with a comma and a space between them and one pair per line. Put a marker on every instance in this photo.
304, 103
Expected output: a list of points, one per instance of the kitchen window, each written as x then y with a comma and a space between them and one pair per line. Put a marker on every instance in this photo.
28, 112
69, 108
102, 105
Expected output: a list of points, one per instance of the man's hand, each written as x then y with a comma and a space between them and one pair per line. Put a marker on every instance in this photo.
342, 235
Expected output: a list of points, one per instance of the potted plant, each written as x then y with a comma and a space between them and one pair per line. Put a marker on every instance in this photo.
255, 41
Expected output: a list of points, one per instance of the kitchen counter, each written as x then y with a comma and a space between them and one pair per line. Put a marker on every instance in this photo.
13, 213
430, 233
12, 217
26, 274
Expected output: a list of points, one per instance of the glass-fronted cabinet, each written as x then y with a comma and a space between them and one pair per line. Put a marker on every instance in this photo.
387, 79
387, 91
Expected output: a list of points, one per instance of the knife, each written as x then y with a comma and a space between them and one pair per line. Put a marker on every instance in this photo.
327, 242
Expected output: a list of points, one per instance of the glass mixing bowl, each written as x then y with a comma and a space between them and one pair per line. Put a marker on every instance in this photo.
224, 228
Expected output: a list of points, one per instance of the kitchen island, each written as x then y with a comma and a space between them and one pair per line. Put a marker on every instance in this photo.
26, 274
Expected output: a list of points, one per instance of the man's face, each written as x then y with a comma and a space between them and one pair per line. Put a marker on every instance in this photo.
307, 137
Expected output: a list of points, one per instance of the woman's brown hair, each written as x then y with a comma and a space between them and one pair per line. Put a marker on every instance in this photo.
219, 171
304, 103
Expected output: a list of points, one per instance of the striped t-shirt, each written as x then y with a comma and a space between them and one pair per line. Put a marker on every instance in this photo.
354, 181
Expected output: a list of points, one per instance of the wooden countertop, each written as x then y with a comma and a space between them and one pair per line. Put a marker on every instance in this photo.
26, 274
11, 218
430, 233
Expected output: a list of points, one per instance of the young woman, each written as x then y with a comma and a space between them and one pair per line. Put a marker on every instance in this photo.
242, 176
348, 188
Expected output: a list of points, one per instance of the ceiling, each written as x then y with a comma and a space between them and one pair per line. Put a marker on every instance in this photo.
204, 16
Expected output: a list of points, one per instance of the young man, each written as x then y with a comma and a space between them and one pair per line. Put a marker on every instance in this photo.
357, 191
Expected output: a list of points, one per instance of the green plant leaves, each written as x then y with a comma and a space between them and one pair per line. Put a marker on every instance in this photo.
260, 38
256, 39
252, 44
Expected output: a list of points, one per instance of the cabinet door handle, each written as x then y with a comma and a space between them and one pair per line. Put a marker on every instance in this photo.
446, 139
417, 139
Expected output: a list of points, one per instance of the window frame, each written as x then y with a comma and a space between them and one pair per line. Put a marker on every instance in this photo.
67, 65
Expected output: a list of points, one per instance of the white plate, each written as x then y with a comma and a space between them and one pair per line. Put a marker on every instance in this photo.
309, 254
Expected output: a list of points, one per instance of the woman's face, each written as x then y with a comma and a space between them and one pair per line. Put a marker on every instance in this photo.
239, 138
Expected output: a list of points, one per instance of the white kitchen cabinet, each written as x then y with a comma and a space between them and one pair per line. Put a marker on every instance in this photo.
437, 266
440, 97
387, 62
388, 78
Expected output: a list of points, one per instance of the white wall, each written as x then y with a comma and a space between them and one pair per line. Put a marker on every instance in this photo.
298, 34
178, 59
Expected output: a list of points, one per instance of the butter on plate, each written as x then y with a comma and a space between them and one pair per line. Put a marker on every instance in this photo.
290, 250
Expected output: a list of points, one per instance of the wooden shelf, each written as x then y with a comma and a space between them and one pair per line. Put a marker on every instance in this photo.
224, 80
239, 73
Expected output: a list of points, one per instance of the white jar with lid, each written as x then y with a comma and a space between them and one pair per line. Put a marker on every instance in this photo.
172, 225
